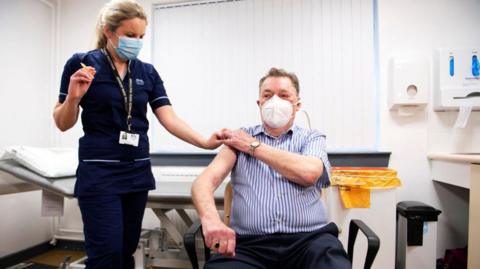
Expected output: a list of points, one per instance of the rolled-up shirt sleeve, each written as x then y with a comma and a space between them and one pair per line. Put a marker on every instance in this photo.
315, 145
158, 96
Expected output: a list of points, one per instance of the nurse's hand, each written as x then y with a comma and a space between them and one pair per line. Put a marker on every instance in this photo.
214, 141
80, 81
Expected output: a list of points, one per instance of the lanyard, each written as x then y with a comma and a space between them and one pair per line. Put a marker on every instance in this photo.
127, 99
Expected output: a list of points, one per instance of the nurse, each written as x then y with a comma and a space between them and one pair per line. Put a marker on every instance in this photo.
114, 173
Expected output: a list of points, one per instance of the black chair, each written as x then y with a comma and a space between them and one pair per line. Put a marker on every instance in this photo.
355, 225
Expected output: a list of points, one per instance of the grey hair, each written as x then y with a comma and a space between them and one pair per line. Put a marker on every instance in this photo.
278, 72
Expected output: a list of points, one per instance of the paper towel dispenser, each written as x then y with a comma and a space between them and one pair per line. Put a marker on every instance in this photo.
456, 79
408, 83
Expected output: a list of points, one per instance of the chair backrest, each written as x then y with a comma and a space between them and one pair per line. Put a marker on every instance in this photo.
227, 203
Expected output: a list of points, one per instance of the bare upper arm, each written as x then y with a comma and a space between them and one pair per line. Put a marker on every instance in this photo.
219, 168
164, 113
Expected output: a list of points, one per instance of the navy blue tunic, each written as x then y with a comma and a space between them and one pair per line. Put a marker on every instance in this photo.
105, 166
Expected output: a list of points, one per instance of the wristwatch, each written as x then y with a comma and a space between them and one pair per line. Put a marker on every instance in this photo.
255, 144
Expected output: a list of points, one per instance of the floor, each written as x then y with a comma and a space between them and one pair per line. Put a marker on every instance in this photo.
53, 258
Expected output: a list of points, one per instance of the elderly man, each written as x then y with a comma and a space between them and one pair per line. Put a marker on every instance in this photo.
277, 169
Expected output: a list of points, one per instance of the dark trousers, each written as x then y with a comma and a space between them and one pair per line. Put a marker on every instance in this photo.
318, 249
112, 226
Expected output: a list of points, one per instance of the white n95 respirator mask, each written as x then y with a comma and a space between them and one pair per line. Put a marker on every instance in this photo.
276, 112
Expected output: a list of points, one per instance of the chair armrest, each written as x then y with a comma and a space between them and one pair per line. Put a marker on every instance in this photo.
190, 243
372, 239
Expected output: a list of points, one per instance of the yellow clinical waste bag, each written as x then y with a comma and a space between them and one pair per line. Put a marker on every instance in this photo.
355, 183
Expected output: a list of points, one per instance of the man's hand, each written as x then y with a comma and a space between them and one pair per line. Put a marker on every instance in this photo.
219, 237
237, 139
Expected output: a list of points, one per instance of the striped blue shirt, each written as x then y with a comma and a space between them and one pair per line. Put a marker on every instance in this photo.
264, 201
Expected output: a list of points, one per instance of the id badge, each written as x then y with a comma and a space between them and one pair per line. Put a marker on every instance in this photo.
127, 138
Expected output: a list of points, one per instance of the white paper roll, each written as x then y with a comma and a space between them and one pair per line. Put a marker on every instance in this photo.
463, 115
407, 110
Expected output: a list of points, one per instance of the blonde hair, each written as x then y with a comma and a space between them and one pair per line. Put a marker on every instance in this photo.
112, 14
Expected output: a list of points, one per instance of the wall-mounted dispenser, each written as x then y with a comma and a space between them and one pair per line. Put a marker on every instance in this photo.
456, 79
408, 84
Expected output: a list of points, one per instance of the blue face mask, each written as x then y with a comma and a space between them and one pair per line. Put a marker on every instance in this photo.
128, 48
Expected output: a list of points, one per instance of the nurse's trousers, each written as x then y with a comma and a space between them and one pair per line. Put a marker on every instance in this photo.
112, 226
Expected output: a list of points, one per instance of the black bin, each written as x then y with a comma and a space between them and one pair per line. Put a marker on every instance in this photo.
413, 215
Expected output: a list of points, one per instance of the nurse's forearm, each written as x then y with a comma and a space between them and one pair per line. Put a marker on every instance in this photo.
183, 131
66, 114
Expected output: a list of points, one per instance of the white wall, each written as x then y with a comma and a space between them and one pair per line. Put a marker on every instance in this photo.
28, 37
418, 27
405, 27
321, 40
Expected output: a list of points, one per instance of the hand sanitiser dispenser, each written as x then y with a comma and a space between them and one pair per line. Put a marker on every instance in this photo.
457, 79
457, 82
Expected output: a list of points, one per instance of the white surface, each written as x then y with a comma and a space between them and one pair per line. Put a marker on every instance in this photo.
180, 173
460, 84
455, 173
26, 102
22, 226
224, 48
406, 71
11, 184
52, 204
456, 157
410, 27
26, 89
380, 217
464, 171
464, 112
48, 162
453, 168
